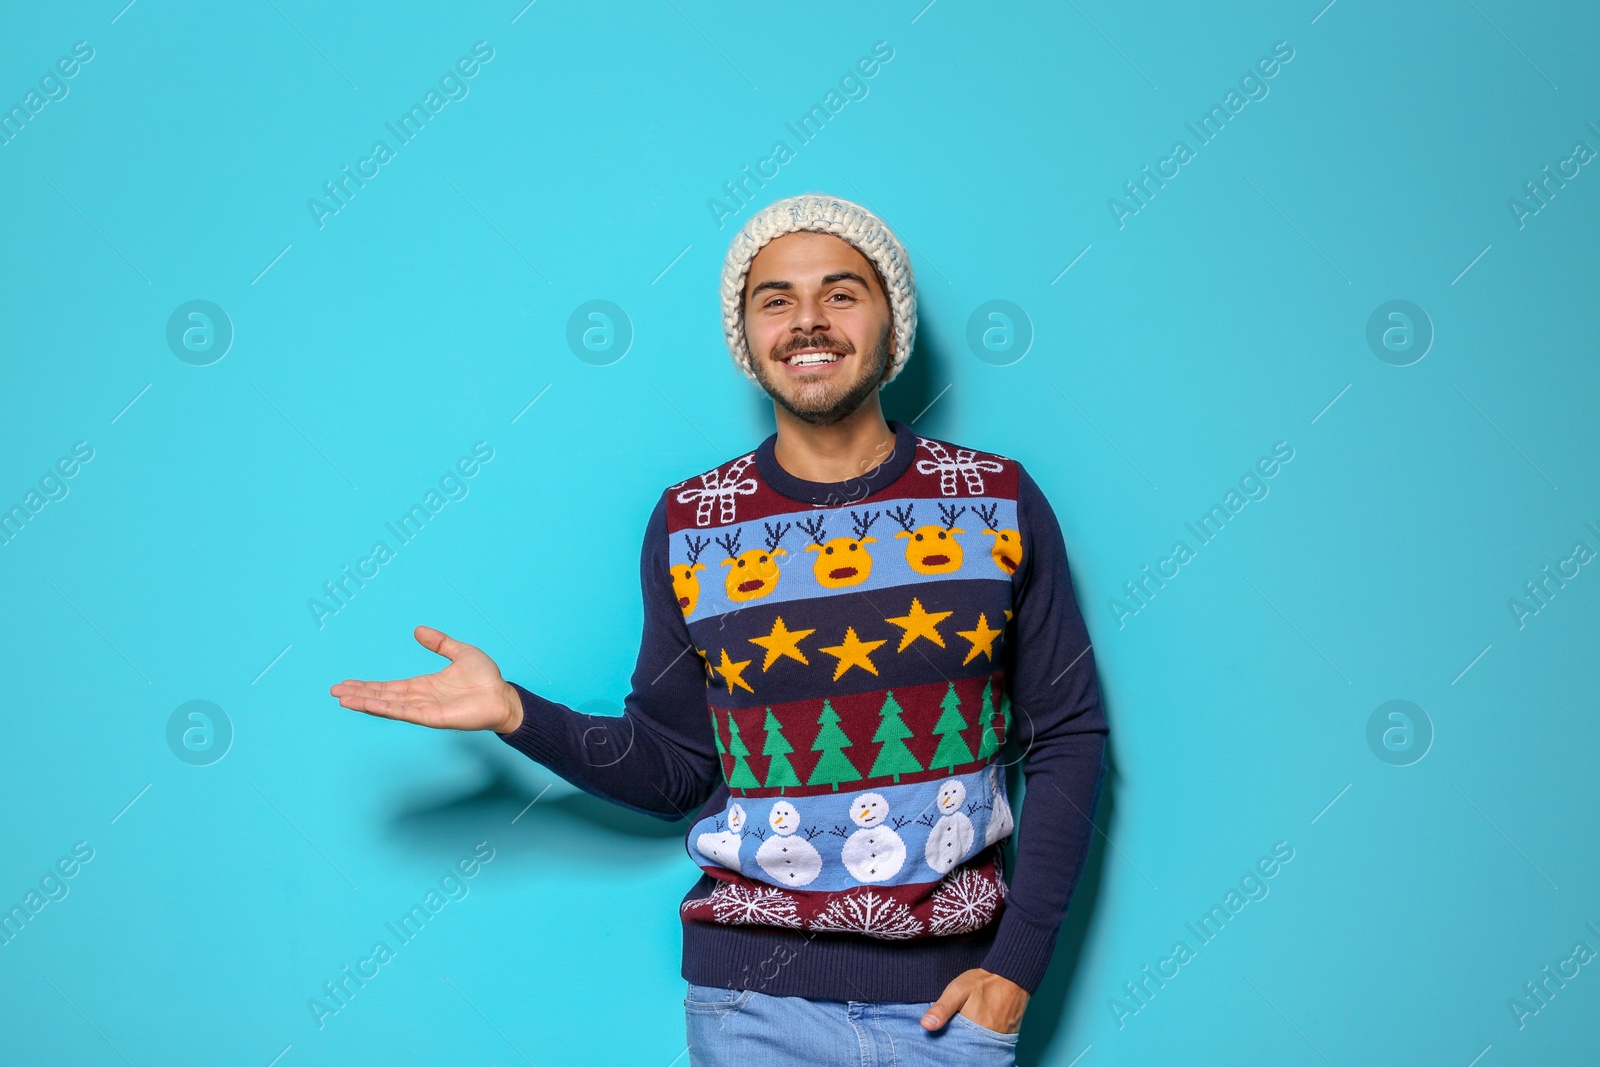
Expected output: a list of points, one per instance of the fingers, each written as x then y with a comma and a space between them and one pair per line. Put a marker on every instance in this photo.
389, 700
386, 709
407, 699
416, 710
440, 642
949, 1002
396, 690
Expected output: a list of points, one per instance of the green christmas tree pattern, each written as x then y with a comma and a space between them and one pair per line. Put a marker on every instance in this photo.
953, 749
743, 777
833, 766
988, 743
716, 735
780, 772
894, 758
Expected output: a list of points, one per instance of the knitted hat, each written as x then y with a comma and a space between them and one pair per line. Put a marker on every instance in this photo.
816, 212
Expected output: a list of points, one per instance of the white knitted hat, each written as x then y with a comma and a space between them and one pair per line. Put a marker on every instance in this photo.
869, 234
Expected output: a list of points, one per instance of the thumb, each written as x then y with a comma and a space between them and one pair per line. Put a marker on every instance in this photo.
440, 642
949, 1002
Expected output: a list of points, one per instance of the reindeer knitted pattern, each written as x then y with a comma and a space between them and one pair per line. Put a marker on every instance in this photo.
817, 212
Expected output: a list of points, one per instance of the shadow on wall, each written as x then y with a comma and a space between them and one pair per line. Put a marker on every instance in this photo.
920, 382
574, 828
1043, 1022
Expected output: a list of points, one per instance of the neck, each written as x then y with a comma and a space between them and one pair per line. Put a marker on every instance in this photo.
835, 453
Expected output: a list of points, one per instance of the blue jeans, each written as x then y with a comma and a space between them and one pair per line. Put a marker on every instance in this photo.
743, 1028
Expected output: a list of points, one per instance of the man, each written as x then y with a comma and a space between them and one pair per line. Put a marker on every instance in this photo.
869, 616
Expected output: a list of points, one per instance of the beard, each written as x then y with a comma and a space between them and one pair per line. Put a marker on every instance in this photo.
824, 404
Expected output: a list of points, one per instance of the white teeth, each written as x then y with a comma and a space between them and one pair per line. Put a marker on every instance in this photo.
807, 359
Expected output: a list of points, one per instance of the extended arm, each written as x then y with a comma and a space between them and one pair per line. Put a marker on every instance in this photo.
659, 756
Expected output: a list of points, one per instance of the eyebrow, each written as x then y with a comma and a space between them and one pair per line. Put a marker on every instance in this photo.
836, 276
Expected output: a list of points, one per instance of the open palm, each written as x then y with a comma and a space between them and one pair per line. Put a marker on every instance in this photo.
469, 694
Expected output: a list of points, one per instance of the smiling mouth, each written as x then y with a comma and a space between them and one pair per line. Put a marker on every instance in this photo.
813, 357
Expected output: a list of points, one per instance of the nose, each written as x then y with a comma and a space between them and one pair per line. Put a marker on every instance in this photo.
810, 314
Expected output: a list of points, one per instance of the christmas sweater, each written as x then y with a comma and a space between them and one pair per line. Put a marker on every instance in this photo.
832, 681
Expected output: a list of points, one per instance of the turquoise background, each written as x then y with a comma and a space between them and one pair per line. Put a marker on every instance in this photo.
1230, 313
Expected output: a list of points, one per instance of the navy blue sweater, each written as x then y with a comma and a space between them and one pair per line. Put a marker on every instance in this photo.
666, 757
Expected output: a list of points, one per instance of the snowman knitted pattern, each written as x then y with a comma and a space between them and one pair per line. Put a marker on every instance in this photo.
831, 680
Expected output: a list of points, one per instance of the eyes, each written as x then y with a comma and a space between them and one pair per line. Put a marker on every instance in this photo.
847, 296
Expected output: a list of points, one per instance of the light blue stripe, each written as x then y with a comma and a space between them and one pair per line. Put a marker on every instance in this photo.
915, 805
796, 579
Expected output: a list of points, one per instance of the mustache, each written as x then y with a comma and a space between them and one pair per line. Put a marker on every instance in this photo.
824, 344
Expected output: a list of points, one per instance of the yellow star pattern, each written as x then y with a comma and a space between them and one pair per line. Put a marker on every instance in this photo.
731, 673
782, 641
853, 652
919, 623
1008, 615
705, 661
982, 638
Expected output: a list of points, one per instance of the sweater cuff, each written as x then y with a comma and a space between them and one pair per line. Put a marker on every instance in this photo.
539, 736
1021, 950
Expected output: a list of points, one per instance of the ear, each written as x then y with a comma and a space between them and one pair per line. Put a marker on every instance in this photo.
869, 538
728, 562
902, 533
780, 552
813, 548
696, 567
957, 529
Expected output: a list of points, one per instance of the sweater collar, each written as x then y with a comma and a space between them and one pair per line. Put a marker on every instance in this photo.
838, 493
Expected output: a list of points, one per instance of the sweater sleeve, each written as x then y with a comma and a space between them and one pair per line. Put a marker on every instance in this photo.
1059, 729
659, 756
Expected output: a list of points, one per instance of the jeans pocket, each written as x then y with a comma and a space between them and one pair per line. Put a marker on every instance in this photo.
1009, 1039
714, 999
